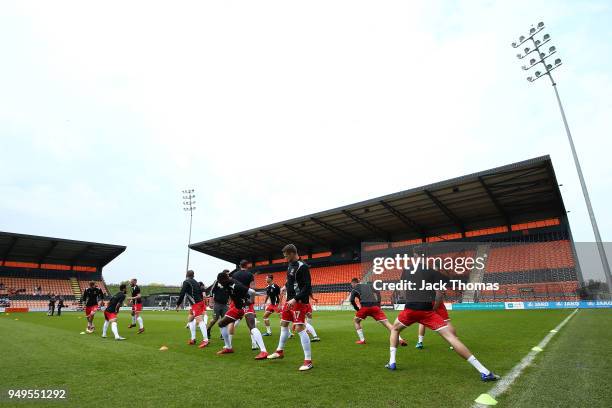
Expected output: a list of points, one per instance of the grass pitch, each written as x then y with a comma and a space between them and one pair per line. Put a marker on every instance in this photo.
40, 352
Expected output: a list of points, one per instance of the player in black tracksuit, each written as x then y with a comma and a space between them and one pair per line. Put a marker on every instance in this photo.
246, 277
92, 297
112, 309
136, 300
192, 292
220, 300
51, 306
242, 298
420, 306
369, 306
273, 292
60, 305
299, 289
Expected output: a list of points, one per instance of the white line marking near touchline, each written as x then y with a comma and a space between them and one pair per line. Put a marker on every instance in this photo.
508, 379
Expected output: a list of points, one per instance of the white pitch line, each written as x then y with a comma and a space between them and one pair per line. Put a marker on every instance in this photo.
507, 380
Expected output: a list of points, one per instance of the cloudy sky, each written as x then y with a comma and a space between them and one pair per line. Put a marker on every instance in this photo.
108, 110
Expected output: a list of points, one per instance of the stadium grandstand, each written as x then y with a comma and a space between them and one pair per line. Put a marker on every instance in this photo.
34, 268
513, 214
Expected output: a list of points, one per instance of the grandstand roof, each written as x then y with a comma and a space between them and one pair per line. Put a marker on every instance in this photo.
515, 193
47, 250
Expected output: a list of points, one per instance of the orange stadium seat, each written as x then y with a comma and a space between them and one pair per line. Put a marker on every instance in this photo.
531, 256
330, 298
56, 286
84, 284
326, 275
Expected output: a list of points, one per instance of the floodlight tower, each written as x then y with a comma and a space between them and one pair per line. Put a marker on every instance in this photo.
189, 205
540, 59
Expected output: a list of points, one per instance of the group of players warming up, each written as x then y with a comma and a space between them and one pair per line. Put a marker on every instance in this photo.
237, 287
424, 307
93, 300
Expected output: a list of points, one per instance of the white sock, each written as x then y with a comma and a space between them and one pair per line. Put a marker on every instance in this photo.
256, 335
267, 323
192, 329
253, 342
236, 323
114, 329
482, 369
205, 319
227, 338
360, 334
140, 322
284, 335
305, 345
311, 329
202, 326
421, 339
392, 351
105, 328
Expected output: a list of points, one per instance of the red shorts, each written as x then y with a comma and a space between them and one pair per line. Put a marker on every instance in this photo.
198, 309
109, 316
91, 309
427, 318
273, 308
295, 314
137, 307
372, 311
238, 313
443, 312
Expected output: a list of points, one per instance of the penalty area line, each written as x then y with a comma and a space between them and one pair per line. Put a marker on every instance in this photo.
506, 381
